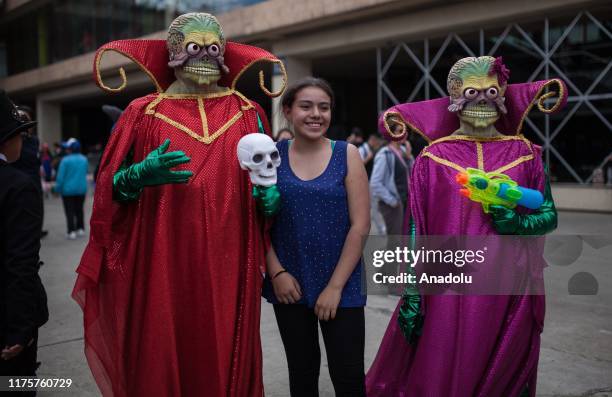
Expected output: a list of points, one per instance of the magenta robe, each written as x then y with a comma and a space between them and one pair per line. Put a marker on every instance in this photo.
470, 345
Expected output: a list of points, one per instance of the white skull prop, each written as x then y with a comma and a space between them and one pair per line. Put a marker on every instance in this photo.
257, 153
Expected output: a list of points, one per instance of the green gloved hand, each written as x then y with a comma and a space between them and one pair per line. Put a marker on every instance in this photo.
505, 220
154, 170
544, 220
410, 317
268, 199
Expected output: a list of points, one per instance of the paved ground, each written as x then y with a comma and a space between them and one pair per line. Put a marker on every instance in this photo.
575, 360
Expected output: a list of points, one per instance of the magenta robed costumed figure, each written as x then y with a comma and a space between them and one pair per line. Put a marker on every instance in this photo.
461, 345
170, 282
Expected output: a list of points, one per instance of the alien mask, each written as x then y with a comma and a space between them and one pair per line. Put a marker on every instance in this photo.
196, 45
476, 87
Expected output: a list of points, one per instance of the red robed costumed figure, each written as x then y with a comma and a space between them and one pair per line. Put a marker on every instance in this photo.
170, 282
474, 344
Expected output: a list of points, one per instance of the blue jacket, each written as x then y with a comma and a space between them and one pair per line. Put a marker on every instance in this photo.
72, 175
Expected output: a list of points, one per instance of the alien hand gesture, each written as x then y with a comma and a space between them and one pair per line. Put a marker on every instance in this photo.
154, 170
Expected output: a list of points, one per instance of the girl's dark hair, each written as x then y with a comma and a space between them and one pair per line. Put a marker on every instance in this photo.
289, 96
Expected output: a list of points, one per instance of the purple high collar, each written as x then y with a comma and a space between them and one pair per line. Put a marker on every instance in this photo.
432, 120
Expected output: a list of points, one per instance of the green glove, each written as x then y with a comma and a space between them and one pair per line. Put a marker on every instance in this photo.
154, 170
508, 221
268, 199
410, 318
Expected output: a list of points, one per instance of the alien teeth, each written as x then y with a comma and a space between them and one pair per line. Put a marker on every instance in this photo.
201, 70
478, 114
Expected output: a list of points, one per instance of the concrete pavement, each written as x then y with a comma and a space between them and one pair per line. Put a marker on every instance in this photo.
576, 353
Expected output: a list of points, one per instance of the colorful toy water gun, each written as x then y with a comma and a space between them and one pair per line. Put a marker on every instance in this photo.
494, 188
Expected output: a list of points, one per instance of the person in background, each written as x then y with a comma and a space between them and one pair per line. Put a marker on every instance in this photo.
29, 161
356, 137
46, 168
23, 301
314, 266
284, 134
71, 183
58, 153
389, 183
368, 150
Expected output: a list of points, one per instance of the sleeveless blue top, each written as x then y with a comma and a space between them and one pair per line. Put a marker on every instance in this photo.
310, 229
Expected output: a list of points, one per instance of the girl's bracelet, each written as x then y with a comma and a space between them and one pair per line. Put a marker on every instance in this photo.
278, 273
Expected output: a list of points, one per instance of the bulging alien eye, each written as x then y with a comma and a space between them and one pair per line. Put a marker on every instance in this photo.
213, 50
193, 49
492, 92
470, 93
258, 158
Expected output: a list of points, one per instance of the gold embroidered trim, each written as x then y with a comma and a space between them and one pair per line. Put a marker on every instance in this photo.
513, 164
177, 125
225, 126
261, 76
412, 127
249, 105
518, 137
203, 116
205, 138
197, 96
150, 109
479, 139
443, 161
480, 155
539, 99
121, 72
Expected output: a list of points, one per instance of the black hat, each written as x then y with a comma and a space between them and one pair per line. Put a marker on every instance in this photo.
11, 122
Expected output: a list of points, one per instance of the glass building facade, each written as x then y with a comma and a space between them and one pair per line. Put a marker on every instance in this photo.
61, 29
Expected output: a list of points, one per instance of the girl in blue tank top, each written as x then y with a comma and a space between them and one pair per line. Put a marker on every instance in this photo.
314, 265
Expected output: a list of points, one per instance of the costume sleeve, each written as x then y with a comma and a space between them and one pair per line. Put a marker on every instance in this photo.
106, 211
380, 174
123, 190
266, 222
419, 186
544, 220
409, 316
23, 286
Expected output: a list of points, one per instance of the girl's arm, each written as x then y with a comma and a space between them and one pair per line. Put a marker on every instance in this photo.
285, 286
358, 196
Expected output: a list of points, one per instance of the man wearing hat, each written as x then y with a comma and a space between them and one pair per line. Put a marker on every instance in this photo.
23, 301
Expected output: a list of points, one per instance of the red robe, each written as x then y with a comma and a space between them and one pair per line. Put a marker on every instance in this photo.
170, 284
